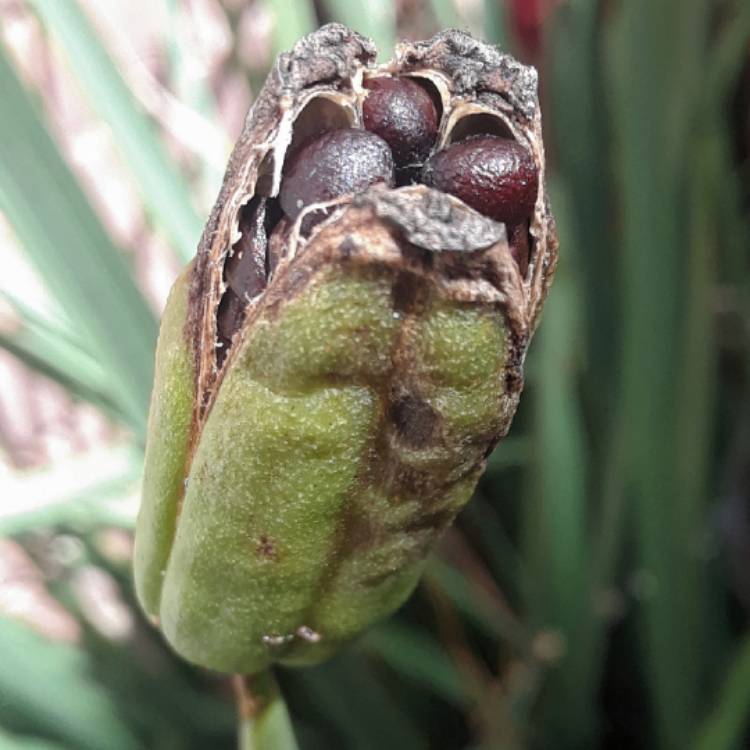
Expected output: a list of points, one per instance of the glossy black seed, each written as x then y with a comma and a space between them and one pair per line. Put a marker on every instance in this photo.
404, 115
334, 164
494, 175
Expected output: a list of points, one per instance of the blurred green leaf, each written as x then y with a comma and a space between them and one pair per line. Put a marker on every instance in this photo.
493, 26
493, 539
291, 20
728, 723
193, 88
372, 19
165, 193
417, 656
15, 742
349, 694
725, 68
63, 238
94, 503
511, 451
477, 605
656, 90
446, 14
581, 142
46, 688
51, 350
556, 539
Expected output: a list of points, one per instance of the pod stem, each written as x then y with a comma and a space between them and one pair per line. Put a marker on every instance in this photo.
264, 721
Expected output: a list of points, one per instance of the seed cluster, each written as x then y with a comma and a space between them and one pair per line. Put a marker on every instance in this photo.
494, 175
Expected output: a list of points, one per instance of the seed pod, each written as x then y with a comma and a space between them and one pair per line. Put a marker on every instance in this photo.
321, 414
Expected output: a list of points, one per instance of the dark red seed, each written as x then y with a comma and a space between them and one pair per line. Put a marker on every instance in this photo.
245, 269
229, 318
337, 163
404, 115
496, 176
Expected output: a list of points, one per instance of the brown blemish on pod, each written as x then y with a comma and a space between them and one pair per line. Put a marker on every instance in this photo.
416, 422
408, 293
266, 548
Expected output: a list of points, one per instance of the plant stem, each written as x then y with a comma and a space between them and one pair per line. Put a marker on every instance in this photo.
264, 722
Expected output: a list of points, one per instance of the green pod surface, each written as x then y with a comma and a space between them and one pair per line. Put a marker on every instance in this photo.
170, 419
302, 461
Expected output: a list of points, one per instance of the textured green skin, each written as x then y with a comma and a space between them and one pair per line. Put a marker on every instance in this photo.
304, 507
166, 452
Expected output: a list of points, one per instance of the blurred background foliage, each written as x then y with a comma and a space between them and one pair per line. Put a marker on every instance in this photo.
596, 592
